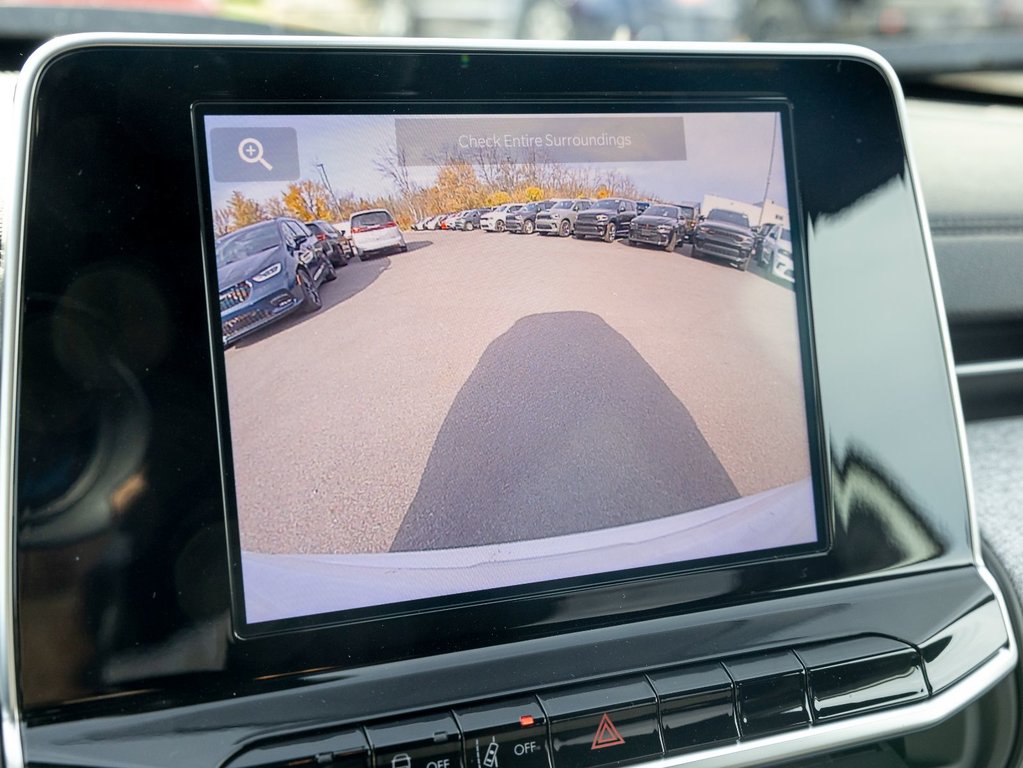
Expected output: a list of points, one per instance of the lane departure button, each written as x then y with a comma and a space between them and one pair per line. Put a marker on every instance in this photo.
424, 742
603, 724
696, 706
510, 734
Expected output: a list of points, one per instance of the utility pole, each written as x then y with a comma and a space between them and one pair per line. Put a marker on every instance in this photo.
326, 180
770, 170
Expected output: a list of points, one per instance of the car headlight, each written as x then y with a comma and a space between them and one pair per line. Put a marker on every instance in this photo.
266, 274
602, 217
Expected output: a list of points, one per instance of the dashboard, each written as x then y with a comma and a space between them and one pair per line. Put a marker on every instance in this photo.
368, 407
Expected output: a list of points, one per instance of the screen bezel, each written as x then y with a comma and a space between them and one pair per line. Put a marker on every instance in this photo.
107, 160
665, 573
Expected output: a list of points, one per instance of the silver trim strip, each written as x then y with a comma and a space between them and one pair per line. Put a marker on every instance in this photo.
10, 273
783, 746
939, 305
989, 368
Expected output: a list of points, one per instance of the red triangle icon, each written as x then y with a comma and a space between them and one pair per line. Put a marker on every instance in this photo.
607, 735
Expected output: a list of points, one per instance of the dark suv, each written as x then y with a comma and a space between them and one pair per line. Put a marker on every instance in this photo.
662, 225
607, 219
470, 220
725, 234
523, 220
335, 246
266, 270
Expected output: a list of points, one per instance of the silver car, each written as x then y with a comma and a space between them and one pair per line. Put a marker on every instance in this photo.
560, 218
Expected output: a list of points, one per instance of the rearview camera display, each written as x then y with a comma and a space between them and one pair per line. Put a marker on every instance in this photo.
463, 354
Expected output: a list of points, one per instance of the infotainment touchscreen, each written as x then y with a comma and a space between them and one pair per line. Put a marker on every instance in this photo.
471, 355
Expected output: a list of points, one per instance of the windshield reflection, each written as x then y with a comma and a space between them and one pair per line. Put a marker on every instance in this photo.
920, 39
706, 20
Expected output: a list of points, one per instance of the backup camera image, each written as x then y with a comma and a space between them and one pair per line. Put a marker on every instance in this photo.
464, 353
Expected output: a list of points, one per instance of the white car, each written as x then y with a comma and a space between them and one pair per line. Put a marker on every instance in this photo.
495, 220
777, 252
375, 231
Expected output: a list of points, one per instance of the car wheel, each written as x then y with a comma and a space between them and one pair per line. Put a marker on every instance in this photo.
311, 300
672, 242
499, 226
565, 228
610, 231
528, 227
469, 227
579, 237
331, 274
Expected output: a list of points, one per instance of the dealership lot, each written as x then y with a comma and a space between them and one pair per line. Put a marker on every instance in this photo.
336, 415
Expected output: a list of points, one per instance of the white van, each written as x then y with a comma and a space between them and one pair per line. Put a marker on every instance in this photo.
376, 231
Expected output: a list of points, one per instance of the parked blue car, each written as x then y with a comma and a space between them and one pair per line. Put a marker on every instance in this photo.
264, 272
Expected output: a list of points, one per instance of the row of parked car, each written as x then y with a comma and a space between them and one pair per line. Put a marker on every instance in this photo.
722, 234
547, 217
267, 270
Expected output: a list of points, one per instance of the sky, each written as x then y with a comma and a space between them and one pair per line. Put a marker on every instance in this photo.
727, 154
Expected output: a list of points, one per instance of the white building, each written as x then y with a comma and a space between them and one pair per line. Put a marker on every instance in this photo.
772, 212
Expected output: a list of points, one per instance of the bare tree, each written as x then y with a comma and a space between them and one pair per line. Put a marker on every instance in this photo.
393, 163
223, 222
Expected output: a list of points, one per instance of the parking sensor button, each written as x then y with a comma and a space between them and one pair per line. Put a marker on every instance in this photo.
697, 706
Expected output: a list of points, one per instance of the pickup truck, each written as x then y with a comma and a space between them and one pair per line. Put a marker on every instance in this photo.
725, 235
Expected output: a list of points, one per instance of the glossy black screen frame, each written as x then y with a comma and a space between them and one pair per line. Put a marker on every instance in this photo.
395, 611
108, 152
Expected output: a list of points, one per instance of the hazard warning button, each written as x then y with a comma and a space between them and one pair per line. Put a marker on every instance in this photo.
607, 735
603, 725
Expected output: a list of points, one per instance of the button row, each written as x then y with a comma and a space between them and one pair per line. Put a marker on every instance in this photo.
630, 720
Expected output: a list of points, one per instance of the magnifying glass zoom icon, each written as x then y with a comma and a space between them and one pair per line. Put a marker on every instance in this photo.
251, 151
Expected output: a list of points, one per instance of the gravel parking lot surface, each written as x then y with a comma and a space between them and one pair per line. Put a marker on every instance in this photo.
512, 373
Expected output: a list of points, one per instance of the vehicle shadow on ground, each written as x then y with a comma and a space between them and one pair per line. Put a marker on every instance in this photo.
562, 427
351, 280
764, 271
754, 268
416, 245
720, 263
